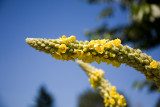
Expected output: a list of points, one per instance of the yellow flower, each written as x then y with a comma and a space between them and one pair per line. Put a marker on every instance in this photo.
91, 44
99, 49
93, 41
112, 93
117, 42
153, 64
101, 73
125, 104
121, 96
97, 73
85, 49
79, 52
106, 102
94, 86
106, 96
108, 45
63, 37
103, 41
120, 102
112, 101
92, 81
98, 42
112, 55
88, 54
113, 88
62, 48
105, 56
72, 38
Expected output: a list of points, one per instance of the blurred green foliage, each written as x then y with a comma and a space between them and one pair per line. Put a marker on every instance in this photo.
158, 103
44, 99
143, 30
93, 99
152, 87
90, 99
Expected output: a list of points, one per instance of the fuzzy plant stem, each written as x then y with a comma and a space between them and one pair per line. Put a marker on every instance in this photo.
112, 52
107, 91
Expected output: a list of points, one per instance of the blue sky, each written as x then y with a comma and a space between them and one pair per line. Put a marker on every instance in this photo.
24, 70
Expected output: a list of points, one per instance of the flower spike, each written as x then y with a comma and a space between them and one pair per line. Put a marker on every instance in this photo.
107, 91
112, 52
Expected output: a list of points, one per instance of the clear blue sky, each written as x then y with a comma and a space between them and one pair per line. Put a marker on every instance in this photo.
23, 70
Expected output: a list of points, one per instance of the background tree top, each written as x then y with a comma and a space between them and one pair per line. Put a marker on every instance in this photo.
143, 30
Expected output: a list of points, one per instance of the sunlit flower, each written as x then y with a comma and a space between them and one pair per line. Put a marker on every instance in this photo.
117, 42
108, 45
112, 93
106, 101
112, 101
62, 48
113, 88
79, 52
99, 49
153, 64
72, 38
63, 37
91, 44
97, 73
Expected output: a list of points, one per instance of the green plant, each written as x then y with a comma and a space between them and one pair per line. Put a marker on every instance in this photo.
112, 52
107, 91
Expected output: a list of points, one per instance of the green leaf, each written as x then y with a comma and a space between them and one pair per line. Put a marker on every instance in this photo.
107, 12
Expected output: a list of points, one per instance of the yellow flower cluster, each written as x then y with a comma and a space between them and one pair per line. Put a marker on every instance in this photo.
101, 45
108, 92
111, 52
65, 39
116, 99
95, 77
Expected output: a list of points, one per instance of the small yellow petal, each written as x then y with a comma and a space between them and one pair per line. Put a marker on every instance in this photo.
153, 64
72, 38
113, 88
108, 45
64, 37
112, 101
62, 48
117, 42
99, 49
